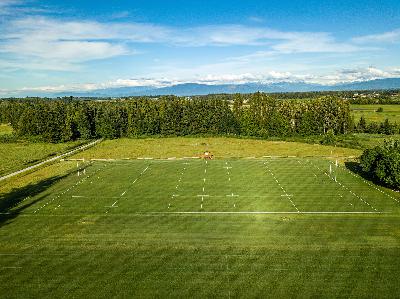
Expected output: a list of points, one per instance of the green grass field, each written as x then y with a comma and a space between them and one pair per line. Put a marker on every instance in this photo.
287, 227
391, 112
17, 155
221, 147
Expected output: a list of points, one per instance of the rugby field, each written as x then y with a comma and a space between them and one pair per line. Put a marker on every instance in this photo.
272, 227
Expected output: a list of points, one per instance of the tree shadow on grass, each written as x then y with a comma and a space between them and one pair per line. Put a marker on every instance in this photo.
12, 203
355, 167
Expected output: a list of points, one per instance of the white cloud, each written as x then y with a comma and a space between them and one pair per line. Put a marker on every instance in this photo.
9, 8
340, 76
356, 75
7, 3
313, 43
69, 43
256, 19
386, 37
5, 6
46, 43
268, 77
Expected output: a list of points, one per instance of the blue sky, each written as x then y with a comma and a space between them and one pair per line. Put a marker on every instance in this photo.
51, 45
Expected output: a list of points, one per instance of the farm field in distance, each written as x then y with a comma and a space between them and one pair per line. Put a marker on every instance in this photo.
190, 228
391, 112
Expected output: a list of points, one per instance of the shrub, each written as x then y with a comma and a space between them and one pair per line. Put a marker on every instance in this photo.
329, 138
382, 163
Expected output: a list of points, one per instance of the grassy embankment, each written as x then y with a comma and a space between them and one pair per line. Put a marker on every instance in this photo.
16, 154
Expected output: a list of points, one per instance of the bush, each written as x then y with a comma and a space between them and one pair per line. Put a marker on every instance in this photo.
329, 138
382, 163
380, 109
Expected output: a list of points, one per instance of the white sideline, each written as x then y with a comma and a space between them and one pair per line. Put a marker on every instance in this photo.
50, 160
283, 189
67, 190
260, 212
345, 187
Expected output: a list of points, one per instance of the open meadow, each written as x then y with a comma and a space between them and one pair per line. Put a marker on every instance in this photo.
18, 153
369, 112
221, 147
230, 227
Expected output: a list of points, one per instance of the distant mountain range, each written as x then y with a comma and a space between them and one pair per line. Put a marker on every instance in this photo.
188, 89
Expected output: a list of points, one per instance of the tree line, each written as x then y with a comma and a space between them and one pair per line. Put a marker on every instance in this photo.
249, 115
386, 127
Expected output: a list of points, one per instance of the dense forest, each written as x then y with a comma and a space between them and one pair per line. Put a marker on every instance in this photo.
257, 114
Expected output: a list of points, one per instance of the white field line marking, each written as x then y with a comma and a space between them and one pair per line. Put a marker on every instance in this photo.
67, 190
371, 185
232, 195
345, 187
123, 193
19, 202
260, 212
294, 206
97, 197
80, 148
354, 194
204, 182
31, 254
147, 214
145, 170
113, 205
229, 179
283, 189
179, 181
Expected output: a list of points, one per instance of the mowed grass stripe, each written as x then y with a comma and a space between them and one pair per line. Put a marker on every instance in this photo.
141, 249
254, 188
148, 255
